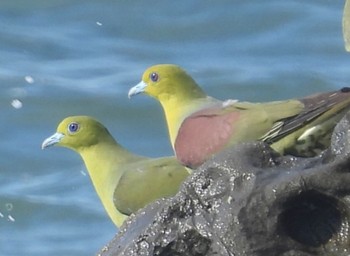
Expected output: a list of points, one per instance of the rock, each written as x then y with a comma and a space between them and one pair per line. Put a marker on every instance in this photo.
248, 200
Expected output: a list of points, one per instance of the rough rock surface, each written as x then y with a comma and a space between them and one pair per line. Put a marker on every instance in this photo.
249, 200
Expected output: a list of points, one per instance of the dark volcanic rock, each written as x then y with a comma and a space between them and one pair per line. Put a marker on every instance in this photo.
249, 200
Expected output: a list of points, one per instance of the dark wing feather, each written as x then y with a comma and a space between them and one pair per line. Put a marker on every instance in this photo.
314, 106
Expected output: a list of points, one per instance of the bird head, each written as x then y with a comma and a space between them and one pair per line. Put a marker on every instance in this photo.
76, 132
166, 81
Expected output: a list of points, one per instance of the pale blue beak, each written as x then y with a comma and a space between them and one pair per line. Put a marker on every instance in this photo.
137, 89
52, 140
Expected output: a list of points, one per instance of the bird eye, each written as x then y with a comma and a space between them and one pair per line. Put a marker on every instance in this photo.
73, 127
154, 76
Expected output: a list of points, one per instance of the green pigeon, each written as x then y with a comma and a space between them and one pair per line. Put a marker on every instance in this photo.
125, 182
201, 126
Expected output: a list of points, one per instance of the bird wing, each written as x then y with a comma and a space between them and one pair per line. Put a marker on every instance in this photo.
210, 130
146, 181
315, 106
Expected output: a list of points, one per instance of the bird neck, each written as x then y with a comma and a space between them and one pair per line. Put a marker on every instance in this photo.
104, 162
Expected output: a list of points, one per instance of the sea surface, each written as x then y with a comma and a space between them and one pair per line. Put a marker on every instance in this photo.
64, 57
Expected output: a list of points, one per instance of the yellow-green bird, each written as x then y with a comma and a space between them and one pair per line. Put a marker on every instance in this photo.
201, 126
125, 182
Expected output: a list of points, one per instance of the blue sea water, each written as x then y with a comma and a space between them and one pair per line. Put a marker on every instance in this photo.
62, 57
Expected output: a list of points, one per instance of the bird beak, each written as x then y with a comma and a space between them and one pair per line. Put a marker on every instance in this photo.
52, 140
140, 87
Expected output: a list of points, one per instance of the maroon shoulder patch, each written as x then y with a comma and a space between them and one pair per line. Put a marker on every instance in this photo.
203, 134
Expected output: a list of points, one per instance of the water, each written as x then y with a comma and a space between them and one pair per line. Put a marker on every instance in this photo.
62, 57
